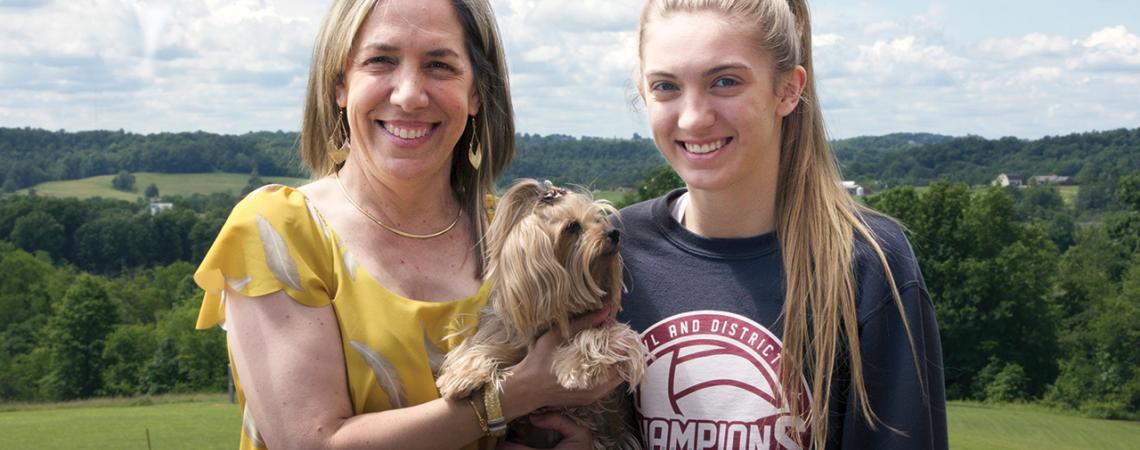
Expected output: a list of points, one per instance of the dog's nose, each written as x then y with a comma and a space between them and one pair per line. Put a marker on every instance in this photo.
614, 235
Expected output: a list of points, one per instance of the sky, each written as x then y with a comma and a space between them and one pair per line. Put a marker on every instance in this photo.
991, 68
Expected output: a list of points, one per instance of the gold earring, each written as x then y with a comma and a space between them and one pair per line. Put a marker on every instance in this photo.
339, 153
474, 151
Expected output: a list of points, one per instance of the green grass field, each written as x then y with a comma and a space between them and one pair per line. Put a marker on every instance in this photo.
208, 422
181, 422
168, 184
1069, 194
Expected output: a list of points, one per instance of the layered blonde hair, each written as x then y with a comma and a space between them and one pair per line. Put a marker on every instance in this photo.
324, 126
817, 221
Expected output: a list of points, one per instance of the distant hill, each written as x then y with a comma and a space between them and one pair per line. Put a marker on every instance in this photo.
889, 142
31, 156
1089, 158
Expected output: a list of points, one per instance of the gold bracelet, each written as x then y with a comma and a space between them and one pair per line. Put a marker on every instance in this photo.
482, 423
496, 424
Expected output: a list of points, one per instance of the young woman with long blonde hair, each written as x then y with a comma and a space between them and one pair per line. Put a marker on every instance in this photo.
780, 312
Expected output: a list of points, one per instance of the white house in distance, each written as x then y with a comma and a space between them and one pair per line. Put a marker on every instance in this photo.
156, 207
854, 188
1008, 179
1051, 179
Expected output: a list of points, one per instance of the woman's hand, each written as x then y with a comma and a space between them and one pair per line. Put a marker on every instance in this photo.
532, 384
574, 436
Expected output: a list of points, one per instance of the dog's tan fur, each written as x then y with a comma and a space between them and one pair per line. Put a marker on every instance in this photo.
552, 256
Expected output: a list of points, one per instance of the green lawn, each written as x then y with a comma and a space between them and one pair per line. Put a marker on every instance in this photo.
199, 422
209, 421
1069, 194
168, 184
978, 426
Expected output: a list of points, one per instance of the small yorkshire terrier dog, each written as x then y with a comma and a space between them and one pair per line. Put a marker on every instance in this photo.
552, 256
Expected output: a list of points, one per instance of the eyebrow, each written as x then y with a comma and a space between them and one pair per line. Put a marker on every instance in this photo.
724, 68
707, 73
437, 53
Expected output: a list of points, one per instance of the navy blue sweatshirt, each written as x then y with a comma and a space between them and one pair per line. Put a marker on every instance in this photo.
709, 311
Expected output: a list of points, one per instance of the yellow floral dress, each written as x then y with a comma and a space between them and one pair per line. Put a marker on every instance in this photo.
275, 240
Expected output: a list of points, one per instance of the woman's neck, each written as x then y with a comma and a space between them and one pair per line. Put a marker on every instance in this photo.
739, 212
414, 206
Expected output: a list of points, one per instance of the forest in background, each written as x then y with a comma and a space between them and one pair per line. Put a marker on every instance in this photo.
1037, 300
1095, 160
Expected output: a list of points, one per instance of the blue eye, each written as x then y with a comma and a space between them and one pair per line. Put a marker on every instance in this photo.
664, 86
726, 82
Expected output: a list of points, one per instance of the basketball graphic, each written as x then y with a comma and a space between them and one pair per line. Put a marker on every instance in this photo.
713, 383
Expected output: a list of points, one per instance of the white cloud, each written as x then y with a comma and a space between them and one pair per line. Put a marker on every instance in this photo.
1032, 45
239, 65
1110, 49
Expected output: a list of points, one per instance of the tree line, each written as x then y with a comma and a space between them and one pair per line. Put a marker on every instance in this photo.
99, 298
1095, 160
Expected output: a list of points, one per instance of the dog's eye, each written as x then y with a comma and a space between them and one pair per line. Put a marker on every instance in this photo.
573, 227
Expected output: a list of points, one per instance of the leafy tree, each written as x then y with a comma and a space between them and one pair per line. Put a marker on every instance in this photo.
76, 337
1128, 191
186, 359
989, 277
124, 181
1008, 385
126, 353
659, 182
151, 191
27, 288
39, 231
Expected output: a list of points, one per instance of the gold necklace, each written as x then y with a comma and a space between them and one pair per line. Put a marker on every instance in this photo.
391, 228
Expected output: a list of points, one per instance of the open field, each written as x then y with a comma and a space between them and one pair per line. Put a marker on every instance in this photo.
168, 184
1069, 194
979, 426
180, 422
209, 421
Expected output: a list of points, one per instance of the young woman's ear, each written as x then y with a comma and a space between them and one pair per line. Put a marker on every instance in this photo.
791, 89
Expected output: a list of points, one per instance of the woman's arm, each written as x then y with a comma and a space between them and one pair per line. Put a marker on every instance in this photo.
290, 362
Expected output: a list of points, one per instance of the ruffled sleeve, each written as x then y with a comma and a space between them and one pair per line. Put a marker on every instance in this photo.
274, 240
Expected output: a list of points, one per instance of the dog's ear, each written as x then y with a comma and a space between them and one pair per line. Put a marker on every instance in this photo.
512, 208
530, 284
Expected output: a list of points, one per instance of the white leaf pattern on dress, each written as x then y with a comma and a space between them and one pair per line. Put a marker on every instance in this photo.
250, 429
350, 264
238, 284
317, 219
386, 375
277, 255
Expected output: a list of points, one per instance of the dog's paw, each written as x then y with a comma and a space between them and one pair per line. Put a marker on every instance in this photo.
461, 376
577, 372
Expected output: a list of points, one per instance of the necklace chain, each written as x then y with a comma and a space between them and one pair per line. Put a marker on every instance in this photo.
389, 227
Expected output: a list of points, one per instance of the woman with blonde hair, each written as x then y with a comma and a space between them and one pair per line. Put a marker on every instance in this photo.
341, 297
780, 312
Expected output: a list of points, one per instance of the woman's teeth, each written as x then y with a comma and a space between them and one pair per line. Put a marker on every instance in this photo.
705, 148
404, 133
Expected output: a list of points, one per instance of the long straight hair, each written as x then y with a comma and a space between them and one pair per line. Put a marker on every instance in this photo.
323, 126
817, 221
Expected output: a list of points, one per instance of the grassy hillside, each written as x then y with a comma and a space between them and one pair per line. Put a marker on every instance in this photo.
168, 184
210, 422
